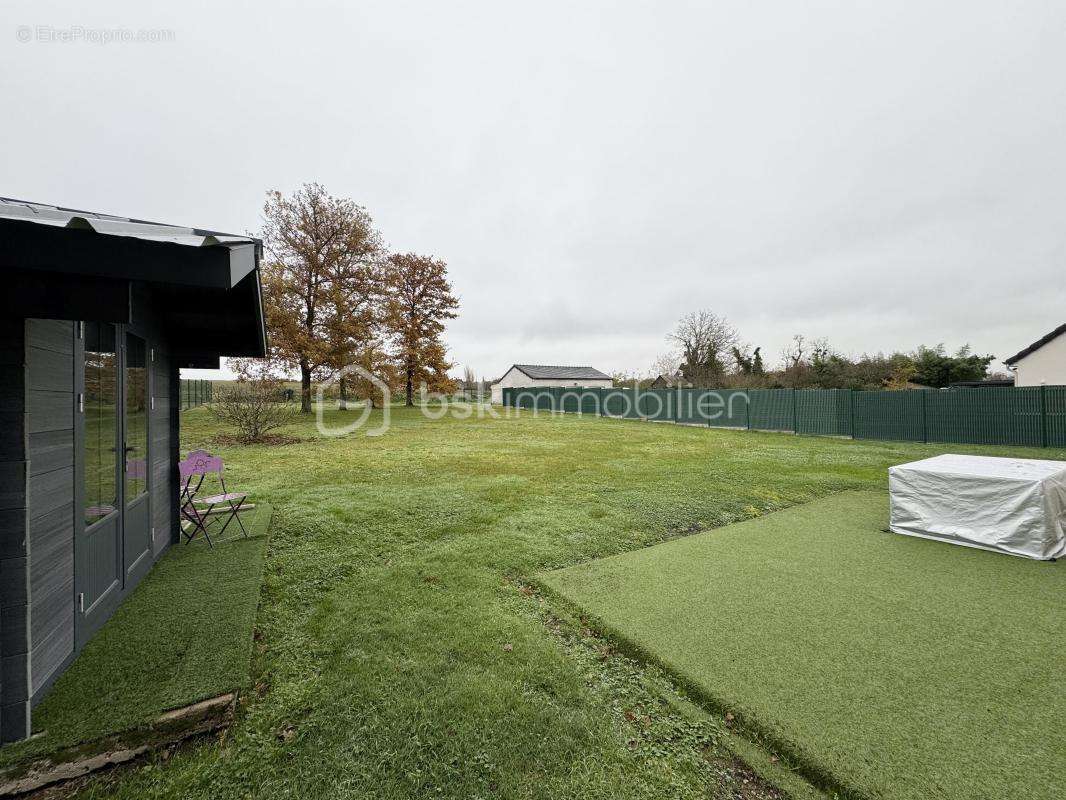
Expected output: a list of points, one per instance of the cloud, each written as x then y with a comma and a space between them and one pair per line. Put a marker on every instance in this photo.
882, 175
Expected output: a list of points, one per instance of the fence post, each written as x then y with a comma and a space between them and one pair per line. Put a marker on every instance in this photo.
852, 398
1043, 415
795, 420
747, 409
925, 416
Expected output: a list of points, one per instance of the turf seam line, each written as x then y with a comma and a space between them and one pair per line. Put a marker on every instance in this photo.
743, 722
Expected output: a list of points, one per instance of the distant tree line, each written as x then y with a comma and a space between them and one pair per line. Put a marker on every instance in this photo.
334, 296
707, 351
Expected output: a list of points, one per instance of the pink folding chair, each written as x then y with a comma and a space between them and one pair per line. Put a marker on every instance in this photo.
196, 510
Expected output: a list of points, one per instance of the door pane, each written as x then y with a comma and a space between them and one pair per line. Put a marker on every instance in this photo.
136, 418
101, 421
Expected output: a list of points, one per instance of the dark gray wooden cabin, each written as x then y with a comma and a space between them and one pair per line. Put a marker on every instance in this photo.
100, 313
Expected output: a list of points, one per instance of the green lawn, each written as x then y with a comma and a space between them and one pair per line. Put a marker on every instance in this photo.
402, 655
886, 665
184, 635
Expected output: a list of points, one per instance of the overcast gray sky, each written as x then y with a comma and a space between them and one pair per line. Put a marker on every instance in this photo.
883, 174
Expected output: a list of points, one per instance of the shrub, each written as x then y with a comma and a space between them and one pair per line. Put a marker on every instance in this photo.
254, 406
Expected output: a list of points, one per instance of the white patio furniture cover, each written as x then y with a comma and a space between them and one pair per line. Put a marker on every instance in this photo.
1010, 505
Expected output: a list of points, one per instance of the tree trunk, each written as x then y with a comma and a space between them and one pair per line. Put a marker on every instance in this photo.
410, 385
343, 404
305, 387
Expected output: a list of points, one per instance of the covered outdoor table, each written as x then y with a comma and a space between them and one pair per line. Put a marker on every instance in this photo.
1009, 505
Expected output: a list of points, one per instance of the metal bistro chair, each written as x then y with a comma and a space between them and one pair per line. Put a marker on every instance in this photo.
196, 510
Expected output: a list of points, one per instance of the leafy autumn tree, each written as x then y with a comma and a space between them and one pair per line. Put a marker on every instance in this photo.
375, 360
418, 301
322, 271
356, 295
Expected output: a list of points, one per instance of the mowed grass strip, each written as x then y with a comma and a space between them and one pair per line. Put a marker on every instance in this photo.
887, 666
183, 635
392, 590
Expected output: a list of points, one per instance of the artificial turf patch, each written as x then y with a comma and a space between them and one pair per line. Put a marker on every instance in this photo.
184, 635
884, 665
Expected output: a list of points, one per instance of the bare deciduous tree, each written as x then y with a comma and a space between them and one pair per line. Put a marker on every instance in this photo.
705, 340
795, 353
667, 364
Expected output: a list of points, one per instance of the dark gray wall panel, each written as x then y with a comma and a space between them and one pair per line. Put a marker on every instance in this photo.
50, 612
52, 563
51, 334
12, 484
51, 411
14, 535
50, 378
51, 450
12, 520
51, 652
49, 371
50, 490
16, 680
14, 590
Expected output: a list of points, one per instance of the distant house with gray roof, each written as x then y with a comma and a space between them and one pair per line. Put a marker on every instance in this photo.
536, 375
1042, 362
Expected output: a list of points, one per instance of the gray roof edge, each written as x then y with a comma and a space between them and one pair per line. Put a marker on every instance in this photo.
1043, 340
562, 372
113, 225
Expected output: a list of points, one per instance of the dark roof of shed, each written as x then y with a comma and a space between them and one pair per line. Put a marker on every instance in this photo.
542, 372
1037, 344
671, 381
113, 225
206, 282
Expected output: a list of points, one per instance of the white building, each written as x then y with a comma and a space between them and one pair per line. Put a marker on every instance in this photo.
526, 375
1044, 361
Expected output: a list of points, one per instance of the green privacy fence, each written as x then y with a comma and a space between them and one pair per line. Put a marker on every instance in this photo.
1033, 416
194, 392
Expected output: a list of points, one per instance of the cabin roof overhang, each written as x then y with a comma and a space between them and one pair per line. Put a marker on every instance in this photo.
67, 264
